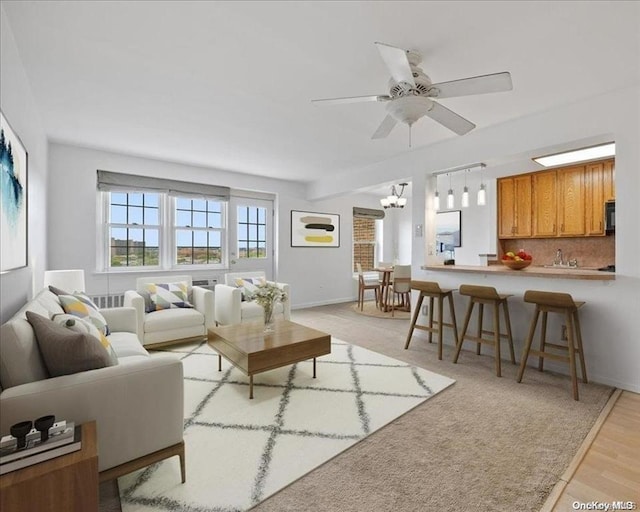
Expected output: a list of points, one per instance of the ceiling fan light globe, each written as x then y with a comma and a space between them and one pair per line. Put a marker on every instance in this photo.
408, 109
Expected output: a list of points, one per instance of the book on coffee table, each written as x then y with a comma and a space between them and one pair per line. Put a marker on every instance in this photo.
55, 447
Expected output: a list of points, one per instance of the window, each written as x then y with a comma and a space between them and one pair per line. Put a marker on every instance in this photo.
364, 243
134, 227
252, 232
198, 231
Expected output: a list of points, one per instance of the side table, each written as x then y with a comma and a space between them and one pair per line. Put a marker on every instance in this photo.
68, 483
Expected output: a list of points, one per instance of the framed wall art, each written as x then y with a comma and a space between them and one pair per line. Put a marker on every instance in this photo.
448, 230
13, 199
312, 229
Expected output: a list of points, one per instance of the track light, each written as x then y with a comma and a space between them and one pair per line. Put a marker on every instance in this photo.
482, 194
465, 192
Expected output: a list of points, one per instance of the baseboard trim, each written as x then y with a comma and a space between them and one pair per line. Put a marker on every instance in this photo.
557, 490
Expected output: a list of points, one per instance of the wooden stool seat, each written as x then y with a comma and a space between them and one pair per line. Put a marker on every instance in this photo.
482, 295
563, 304
433, 291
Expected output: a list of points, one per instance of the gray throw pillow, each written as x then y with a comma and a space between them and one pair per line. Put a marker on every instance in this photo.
65, 351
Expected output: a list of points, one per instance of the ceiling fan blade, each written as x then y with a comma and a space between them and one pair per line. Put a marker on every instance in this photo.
352, 99
397, 62
385, 128
496, 82
450, 119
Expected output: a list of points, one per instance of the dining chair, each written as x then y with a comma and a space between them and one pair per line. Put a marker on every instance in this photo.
366, 284
401, 288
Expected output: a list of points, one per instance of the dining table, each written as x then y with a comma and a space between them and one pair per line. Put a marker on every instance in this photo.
385, 287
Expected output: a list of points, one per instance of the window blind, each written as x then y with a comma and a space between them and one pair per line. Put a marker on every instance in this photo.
368, 213
115, 181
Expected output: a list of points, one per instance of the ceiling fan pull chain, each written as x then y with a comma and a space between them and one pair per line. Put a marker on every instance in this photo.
410, 125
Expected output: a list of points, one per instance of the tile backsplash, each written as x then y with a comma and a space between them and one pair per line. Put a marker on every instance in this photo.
589, 251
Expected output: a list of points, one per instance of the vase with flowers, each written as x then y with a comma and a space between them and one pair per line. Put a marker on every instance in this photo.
267, 295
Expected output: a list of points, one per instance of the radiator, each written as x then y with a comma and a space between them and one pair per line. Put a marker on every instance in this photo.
108, 301
208, 284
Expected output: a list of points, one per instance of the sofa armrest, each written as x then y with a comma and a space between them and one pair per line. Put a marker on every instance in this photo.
286, 305
203, 302
227, 304
123, 319
135, 300
138, 405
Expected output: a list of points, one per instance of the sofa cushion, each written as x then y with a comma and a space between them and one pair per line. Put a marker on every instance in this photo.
44, 301
65, 351
20, 361
85, 326
168, 295
80, 305
170, 319
126, 344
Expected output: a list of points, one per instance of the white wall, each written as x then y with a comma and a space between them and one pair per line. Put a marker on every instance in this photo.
19, 108
316, 275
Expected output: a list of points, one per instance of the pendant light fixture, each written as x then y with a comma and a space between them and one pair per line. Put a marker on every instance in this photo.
395, 200
482, 194
450, 198
465, 192
436, 198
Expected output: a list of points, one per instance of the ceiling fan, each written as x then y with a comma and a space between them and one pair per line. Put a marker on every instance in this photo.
411, 93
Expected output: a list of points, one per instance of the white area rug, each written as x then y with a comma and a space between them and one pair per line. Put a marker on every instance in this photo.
241, 451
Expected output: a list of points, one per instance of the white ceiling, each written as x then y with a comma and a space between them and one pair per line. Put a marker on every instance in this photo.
228, 84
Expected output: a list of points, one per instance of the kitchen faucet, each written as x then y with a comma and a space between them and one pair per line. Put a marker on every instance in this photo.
558, 260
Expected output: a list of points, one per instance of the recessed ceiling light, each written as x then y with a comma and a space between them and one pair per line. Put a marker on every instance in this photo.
578, 155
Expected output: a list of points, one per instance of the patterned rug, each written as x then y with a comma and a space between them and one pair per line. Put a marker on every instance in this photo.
241, 451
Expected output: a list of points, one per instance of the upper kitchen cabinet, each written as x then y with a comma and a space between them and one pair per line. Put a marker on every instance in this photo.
514, 207
608, 181
599, 188
571, 203
545, 207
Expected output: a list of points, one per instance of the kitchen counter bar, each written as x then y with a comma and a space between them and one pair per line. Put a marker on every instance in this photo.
531, 271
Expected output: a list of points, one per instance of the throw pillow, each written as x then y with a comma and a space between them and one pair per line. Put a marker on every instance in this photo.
248, 285
65, 351
85, 327
81, 306
168, 295
149, 306
57, 291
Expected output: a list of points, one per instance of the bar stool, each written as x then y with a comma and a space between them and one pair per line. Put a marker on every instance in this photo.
562, 303
482, 295
433, 291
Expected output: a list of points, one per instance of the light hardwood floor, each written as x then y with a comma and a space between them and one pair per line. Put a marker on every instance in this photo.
610, 470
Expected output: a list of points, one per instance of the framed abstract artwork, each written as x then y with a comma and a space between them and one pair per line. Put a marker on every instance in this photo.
311, 229
13, 199
448, 230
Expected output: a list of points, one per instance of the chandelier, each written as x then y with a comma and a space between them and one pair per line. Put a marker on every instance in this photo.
395, 200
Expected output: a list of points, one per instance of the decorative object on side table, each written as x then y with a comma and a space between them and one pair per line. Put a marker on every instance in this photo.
27, 446
267, 295
517, 261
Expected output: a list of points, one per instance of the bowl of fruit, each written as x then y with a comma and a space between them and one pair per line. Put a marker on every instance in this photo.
516, 261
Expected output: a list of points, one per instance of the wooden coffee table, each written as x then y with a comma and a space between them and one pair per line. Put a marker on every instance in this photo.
252, 351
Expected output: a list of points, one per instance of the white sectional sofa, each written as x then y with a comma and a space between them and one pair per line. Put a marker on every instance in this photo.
137, 404
230, 309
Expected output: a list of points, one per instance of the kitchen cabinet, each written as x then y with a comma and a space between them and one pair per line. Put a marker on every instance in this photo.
571, 203
608, 180
514, 207
545, 208
599, 188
